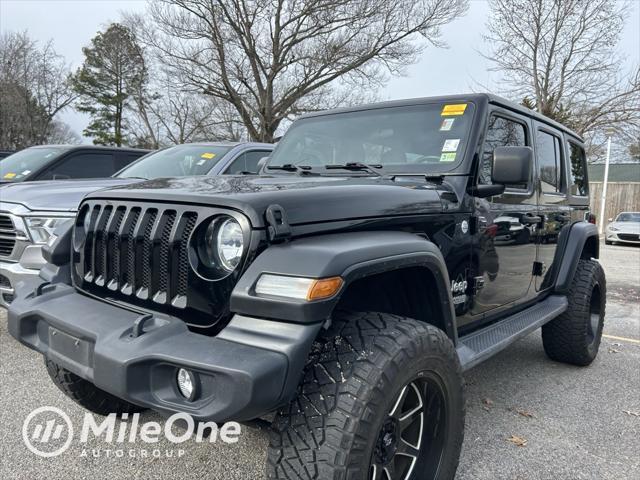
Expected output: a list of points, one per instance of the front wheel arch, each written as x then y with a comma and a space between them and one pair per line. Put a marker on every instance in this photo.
411, 292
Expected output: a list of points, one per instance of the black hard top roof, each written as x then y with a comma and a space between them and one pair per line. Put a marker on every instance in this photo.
471, 97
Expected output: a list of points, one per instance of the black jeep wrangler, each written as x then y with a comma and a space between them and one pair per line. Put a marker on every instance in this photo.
389, 248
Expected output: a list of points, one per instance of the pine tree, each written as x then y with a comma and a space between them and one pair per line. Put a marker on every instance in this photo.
112, 72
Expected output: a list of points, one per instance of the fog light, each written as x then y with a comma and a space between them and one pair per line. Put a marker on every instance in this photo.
187, 384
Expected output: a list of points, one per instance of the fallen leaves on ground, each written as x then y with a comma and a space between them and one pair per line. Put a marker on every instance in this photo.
633, 414
525, 413
613, 350
519, 441
488, 403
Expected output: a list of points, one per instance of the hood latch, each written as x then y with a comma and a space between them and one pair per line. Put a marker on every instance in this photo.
278, 228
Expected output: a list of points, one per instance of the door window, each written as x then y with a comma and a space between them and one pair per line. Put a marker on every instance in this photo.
502, 132
124, 159
83, 165
578, 185
246, 162
549, 158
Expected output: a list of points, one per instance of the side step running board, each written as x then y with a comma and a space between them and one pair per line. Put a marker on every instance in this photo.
480, 345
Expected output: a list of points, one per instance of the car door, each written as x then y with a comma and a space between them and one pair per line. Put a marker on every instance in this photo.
246, 162
81, 165
505, 251
553, 205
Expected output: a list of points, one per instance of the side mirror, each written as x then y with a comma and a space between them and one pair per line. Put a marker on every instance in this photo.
512, 165
262, 163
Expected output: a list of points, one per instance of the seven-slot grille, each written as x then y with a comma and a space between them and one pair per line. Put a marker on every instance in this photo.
7, 235
137, 251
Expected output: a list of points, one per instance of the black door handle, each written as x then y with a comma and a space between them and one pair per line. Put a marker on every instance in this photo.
530, 219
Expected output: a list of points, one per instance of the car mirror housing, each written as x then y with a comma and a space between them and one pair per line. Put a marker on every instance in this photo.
512, 165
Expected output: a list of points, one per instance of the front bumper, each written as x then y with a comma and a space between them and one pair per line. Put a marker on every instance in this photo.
15, 277
251, 367
622, 237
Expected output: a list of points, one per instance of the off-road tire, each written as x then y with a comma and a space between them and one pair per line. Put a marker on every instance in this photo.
86, 394
608, 242
570, 338
351, 378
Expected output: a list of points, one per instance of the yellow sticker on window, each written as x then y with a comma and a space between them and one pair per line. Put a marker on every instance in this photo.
453, 109
9, 175
208, 156
448, 157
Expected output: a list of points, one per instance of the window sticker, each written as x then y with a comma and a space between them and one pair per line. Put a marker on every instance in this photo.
453, 109
451, 145
26, 172
448, 157
208, 156
446, 124
201, 162
9, 175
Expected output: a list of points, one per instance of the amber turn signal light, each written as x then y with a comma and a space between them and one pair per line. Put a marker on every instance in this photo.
324, 288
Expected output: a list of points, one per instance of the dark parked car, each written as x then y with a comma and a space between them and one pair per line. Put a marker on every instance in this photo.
58, 162
6, 153
343, 297
31, 211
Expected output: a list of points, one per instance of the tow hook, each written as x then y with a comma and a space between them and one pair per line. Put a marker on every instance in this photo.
138, 325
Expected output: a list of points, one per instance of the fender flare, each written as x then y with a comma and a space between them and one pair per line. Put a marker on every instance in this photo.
351, 256
570, 250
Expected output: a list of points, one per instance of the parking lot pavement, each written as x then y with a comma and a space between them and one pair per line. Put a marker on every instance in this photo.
578, 423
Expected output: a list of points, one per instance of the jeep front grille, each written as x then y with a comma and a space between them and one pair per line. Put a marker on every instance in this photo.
128, 249
140, 254
7, 235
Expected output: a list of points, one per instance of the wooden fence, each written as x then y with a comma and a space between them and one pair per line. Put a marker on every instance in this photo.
621, 197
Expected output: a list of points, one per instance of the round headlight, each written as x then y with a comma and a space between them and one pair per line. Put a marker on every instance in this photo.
87, 221
224, 243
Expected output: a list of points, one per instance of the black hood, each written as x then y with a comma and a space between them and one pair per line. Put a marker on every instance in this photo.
56, 195
310, 199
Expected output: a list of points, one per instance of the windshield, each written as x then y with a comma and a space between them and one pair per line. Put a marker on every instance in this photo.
410, 139
178, 161
629, 217
18, 166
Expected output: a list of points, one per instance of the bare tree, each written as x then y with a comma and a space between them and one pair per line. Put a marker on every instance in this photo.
61, 133
274, 58
559, 56
35, 88
172, 115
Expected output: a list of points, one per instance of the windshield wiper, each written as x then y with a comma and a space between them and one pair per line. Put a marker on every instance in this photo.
356, 167
290, 167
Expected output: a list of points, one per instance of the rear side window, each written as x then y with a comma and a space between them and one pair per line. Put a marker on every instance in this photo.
124, 159
82, 165
247, 162
549, 158
502, 132
578, 185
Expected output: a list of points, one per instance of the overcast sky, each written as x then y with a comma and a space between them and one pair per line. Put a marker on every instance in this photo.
460, 68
